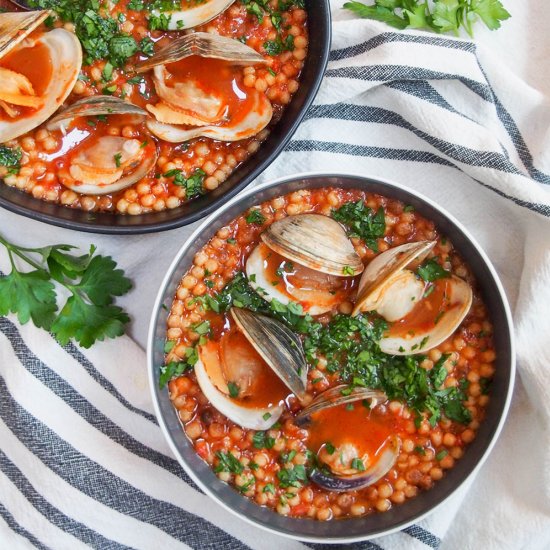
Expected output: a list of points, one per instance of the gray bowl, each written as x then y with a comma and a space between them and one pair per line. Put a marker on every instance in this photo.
400, 516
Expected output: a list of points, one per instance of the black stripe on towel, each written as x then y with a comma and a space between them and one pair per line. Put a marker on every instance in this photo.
423, 535
515, 135
401, 154
50, 512
459, 153
387, 73
387, 37
301, 145
16, 528
422, 89
105, 487
83, 407
72, 350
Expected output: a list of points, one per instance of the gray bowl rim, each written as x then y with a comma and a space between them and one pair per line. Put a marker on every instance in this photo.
152, 222
240, 203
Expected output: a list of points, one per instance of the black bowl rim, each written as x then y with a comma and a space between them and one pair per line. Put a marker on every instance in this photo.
160, 305
154, 227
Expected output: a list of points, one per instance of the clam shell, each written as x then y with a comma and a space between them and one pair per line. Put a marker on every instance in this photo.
66, 55
253, 419
460, 297
315, 241
371, 475
193, 17
334, 397
202, 44
384, 266
87, 188
256, 120
94, 106
279, 347
16, 26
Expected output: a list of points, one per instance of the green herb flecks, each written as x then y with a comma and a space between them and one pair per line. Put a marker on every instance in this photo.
362, 222
10, 158
431, 270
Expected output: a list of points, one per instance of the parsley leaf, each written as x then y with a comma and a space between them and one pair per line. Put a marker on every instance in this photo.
438, 16
362, 222
10, 158
228, 463
255, 217
430, 271
87, 315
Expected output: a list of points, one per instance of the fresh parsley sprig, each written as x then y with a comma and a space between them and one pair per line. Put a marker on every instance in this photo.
440, 16
91, 281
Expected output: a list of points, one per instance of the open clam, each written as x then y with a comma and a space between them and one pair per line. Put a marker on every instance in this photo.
306, 259
200, 91
422, 315
37, 71
249, 372
355, 447
198, 14
97, 162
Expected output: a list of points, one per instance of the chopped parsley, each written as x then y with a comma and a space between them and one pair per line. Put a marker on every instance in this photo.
362, 222
255, 217
262, 441
228, 463
233, 389
193, 184
10, 158
292, 477
431, 270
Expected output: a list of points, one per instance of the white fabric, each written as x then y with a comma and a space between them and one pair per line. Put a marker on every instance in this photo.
502, 204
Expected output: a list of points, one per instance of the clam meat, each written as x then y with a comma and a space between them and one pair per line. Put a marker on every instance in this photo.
249, 372
354, 443
421, 314
306, 259
96, 162
202, 94
38, 70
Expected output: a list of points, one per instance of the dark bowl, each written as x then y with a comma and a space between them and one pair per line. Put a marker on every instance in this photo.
319, 24
400, 516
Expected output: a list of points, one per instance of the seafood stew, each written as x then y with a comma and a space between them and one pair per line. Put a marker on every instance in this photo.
161, 154
412, 409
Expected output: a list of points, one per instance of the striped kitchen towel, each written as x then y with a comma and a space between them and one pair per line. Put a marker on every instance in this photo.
82, 460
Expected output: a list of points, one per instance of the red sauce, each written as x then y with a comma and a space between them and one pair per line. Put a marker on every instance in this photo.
302, 284
34, 63
427, 312
257, 383
218, 78
367, 429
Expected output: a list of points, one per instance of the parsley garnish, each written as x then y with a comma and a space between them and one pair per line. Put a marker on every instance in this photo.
228, 463
362, 222
262, 441
292, 477
233, 389
439, 16
92, 282
10, 158
430, 271
255, 217
192, 184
